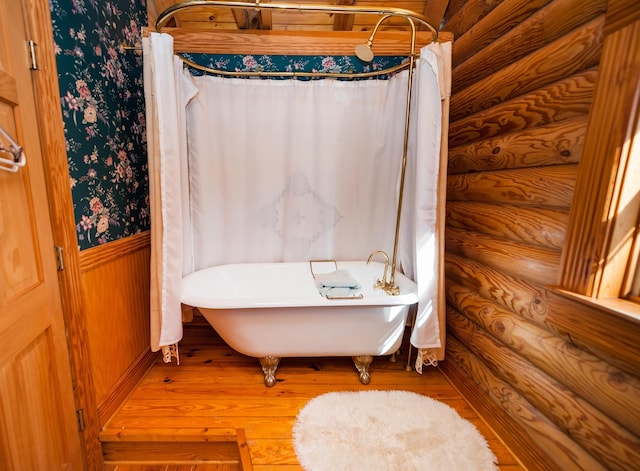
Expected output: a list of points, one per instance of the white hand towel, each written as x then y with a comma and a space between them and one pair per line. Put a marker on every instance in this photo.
338, 283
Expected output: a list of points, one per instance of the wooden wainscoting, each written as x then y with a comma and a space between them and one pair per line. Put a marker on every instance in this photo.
215, 389
115, 285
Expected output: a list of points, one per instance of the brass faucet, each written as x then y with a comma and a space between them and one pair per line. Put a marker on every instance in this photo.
388, 287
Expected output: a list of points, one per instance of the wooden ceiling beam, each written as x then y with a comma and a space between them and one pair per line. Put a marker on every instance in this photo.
388, 43
343, 21
247, 19
434, 10
266, 17
252, 19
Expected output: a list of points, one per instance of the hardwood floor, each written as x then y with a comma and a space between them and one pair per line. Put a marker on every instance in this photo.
217, 395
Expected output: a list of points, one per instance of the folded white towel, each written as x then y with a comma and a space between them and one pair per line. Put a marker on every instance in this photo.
338, 283
336, 279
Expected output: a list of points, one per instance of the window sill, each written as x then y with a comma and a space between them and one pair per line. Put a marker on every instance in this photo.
609, 329
616, 307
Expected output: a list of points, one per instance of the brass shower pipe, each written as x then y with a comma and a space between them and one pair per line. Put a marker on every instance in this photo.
392, 288
363, 51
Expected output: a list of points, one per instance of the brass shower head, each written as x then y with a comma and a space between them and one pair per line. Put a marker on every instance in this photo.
364, 52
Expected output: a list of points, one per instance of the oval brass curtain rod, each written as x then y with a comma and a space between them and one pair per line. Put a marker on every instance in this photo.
344, 75
167, 14
362, 51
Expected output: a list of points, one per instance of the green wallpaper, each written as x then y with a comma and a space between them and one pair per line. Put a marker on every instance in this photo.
102, 100
291, 63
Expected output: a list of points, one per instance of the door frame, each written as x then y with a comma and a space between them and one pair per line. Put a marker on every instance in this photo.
46, 88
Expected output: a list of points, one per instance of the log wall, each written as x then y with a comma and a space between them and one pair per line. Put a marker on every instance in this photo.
556, 377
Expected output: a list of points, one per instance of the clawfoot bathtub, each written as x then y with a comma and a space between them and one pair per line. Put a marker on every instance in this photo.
274, 310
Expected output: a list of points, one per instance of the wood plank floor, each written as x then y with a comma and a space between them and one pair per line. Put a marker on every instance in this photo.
216, 390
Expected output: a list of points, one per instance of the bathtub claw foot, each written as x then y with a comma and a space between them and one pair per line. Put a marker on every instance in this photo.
394, 356
269, 366
362, 363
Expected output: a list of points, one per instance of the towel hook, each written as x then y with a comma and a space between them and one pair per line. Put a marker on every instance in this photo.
18, 159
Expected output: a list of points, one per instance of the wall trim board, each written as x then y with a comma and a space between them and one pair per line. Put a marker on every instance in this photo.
96, 256
511, 434
125, 384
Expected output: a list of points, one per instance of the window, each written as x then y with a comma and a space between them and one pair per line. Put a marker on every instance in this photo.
603, 237
620, 274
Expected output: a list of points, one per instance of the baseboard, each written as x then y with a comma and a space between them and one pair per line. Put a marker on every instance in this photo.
509, 431
126, 383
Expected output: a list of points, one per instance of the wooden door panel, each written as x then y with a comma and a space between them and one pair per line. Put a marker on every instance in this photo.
38, 428
19, 249
22, 329
19, 266
29, 399
8, 89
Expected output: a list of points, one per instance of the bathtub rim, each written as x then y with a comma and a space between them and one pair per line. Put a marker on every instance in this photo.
191, 297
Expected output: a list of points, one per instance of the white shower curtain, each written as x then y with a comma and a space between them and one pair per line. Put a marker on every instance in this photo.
422, 221
167, 93
286, 170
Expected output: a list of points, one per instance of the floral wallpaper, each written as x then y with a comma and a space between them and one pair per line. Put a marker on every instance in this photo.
102, 100
262, 63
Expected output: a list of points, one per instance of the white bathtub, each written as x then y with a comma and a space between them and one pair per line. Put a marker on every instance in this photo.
274, 310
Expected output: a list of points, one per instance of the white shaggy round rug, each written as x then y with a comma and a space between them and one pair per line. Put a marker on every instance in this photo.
387, 431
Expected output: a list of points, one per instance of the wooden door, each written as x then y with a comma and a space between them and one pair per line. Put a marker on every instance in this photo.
38, 427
